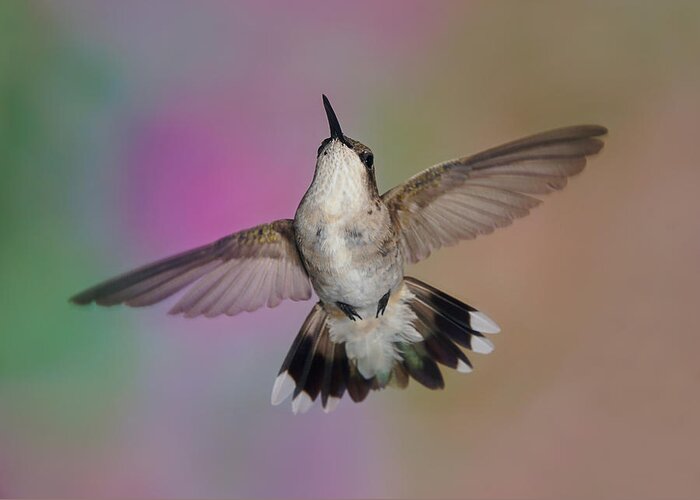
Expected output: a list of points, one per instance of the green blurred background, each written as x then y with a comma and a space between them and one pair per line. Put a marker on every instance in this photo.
132, 130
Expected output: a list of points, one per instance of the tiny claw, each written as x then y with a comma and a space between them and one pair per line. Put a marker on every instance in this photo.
349, 311
381, 305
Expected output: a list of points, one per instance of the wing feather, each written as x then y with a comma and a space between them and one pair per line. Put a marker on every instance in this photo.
244, 271
463, 198
202, 294
167, 288
218, 299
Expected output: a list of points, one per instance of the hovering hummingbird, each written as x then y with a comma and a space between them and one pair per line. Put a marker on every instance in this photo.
372, 326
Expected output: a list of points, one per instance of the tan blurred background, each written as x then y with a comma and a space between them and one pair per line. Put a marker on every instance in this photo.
593, 391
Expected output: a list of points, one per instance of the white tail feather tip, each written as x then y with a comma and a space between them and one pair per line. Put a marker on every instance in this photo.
283, 387
482, 323
301, 403
331, 404
481, 345
462, 367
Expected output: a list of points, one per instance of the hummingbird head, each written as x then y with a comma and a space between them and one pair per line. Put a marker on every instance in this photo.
344, 161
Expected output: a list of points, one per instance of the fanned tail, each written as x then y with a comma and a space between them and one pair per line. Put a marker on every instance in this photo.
449, 318
444, 323
317, 366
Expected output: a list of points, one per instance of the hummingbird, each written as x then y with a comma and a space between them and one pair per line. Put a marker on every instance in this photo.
372, 326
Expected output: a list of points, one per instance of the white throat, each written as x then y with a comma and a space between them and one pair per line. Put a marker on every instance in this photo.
340, 182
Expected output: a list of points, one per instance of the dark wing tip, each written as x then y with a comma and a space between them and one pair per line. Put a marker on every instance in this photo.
82, 298
567, 133
594, 130
100, 293
594, 134
96, 295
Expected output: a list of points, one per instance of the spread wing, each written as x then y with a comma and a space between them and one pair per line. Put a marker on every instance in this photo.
240, 272
462, 198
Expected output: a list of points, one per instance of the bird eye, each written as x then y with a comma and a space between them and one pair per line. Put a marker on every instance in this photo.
368, 159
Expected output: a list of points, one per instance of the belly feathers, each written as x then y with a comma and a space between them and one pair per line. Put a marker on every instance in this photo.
347, 265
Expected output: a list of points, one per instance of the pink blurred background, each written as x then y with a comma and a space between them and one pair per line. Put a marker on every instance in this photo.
134, 130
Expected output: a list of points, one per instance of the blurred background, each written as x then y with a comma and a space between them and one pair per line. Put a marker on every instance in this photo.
133, 130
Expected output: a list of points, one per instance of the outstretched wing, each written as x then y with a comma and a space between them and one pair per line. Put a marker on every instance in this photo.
462, 198
241, 272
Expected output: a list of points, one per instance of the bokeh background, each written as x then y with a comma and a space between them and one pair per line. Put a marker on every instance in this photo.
133, 130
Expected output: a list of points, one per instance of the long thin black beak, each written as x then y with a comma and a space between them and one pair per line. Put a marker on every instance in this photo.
333, 123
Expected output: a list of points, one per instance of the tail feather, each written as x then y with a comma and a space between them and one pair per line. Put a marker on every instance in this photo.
442, 349
454, 309
335, 377
358, 386
421, 366
307, 366
309, 384
291, 373
327, 379
399, 377
317, 365
446, 317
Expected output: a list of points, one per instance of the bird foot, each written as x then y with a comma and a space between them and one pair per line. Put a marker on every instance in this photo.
349, 311
381, 305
